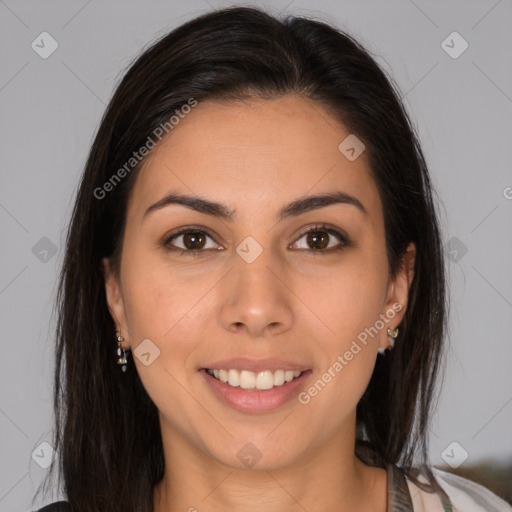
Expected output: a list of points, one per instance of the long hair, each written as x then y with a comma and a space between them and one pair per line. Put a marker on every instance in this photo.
107, 432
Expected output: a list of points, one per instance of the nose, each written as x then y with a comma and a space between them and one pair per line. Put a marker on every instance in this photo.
255, 298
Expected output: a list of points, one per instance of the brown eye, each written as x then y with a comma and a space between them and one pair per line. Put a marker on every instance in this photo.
322, 240
317, 239
194, 240
190, 241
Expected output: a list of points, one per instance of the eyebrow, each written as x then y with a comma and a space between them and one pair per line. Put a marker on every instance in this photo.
295, 208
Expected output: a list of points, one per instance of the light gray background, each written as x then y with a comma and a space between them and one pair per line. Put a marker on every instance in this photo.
462, 108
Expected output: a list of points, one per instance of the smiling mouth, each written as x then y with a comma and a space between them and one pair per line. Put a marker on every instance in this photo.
255, 381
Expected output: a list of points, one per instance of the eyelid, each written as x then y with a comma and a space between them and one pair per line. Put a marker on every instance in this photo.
322, 225
332, 230
186, 229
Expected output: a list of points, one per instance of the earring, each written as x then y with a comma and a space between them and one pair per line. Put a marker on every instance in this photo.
392, 335
121, 352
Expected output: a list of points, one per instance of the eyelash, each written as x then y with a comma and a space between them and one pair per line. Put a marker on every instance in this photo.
343, 239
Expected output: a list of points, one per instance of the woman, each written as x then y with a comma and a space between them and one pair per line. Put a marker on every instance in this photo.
256, 245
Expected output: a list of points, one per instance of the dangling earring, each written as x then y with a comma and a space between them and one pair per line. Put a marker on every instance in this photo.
121, 352
392, 335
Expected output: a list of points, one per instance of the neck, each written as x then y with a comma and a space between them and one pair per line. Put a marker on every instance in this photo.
332, 478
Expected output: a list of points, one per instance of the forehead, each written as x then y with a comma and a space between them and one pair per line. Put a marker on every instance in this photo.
245, 152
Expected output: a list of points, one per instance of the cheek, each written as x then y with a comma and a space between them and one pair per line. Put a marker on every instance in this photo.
347, 300
158, 296
333, 396
149, 302
171, 309
165, 310
349, 303
349, 307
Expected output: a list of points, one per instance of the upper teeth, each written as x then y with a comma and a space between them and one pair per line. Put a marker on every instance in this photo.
251, 380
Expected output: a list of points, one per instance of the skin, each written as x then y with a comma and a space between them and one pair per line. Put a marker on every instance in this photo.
257, 156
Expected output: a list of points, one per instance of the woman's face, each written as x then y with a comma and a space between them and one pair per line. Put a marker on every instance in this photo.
259, 298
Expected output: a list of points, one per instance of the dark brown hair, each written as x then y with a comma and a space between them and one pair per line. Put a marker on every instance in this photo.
106, 427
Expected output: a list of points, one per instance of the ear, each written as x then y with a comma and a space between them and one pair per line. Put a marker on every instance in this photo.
115, 300
398, 294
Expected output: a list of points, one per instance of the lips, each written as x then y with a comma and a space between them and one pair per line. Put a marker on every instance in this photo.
250, 385
255, 365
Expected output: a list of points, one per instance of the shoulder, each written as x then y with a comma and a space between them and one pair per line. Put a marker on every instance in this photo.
58, 506
465, 495
468, 495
